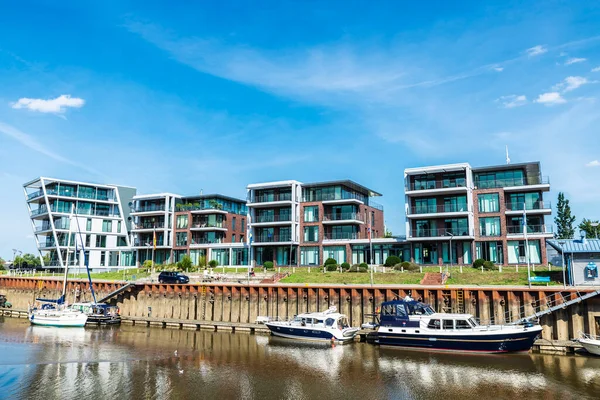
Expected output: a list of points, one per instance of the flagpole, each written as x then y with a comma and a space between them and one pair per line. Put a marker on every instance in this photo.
526, 244
153, 247
370, 245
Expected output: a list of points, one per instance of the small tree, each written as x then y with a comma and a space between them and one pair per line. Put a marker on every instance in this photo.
591, 228
564, 220
213, 263
388, 233
478, 263
185, 264
147, 264
330, 261
202, 261
345, 266
392, 260
268, 264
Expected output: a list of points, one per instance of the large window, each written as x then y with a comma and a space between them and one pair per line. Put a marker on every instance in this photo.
490, 251
455, 204
233, 224
517, 252
311, 233
221, 256
456, 226
182, 222
311, 213
88, 225
488, 202
529, 201
106, 226
309, 255
338, 253
240, 256
100, 240
489, 226
488, 180
181, 239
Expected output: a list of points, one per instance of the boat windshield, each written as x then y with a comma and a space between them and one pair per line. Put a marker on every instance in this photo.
473, 322
343, 323
420, 309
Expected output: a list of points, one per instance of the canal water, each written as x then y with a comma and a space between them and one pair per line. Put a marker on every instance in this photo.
153, 363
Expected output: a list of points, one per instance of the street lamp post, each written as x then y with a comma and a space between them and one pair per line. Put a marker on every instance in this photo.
562, 252
451, 237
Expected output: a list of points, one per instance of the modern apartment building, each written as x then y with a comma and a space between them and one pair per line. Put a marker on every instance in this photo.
455, 213
99, 223
315, 221
152, 216
211, 226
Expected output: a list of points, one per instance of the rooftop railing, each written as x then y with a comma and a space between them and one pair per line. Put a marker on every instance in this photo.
509, 182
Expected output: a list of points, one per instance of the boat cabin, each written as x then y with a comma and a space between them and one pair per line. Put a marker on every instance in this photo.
398, 312
321, 320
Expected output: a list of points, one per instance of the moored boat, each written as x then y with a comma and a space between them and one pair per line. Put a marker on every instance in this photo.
54, 313
99, 313
321, 326
590, 343
412, 324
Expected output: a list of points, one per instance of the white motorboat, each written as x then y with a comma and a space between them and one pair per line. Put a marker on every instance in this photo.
590, 343
55, 312
321, 326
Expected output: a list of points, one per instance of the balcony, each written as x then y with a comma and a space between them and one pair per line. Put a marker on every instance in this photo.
457, 209
205, 241
149, 226
149, 208
440, 233
272, 220
437, 186
148, 243
82, 195
208, 226
39, 211
516, 184
537, 207
532, 230
271, 200
260, 239
341, 236
35, 194
343, 198
344, 218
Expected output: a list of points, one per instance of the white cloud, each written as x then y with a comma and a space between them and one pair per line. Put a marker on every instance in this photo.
55, 106
575, 60
536, 50
550, 99
498, 69
512, 101
597, 69
571, 83
594, 163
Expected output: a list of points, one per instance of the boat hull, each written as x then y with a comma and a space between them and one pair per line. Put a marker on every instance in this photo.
483, 343
309, 333
57, 319
592, 346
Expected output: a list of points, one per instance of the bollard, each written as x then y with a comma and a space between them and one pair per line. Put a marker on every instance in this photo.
309, 270
293, 270
500, 267
440, 269
420, 268
461, 269
402, 269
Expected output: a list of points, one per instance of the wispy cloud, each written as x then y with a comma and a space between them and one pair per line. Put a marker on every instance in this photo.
498, 69
575, 60
550, 99
597, 69
58, 105
536, 50
512, 101
594, 163
571, 83
31, 143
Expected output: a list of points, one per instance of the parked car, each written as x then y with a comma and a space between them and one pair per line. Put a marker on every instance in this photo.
172, 277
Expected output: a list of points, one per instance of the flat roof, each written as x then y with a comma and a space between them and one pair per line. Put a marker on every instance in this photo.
154, 196
575, 245
437, 168
533, 165
346, 182
37, 182
266, 185
213, 196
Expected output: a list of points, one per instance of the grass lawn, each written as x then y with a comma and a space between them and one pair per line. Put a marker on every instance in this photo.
469, 276
115, 276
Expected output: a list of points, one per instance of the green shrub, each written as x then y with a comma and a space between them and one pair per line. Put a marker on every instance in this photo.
331, 267
392, 260
478, 263
330, 261
185, 264
353, 268
489, 266
345, 266
147, 264
364, 265
213, 263
363, 269
268, 264
202, 261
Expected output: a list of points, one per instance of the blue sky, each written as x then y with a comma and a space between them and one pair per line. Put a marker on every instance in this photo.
184, 96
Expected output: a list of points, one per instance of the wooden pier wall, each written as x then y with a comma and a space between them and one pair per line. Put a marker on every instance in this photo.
240, 303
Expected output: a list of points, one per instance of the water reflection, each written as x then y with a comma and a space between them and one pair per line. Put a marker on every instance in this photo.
137, 362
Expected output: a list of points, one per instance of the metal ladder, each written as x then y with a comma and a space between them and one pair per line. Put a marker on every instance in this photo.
460, 301
553, 303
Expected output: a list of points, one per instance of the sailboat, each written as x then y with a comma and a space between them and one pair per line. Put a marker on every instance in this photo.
55, 312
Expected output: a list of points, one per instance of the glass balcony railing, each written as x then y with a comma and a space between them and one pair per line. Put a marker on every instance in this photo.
531, 229
509, 182
434, 209
441, 232
342, 236
536, 205
207, 224
201, 240
272, 197
272, 238
38, 211
150, 225
438, 184
149, 208
35, 194
344, 217
273, 218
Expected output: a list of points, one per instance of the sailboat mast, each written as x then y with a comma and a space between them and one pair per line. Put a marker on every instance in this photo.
64, 290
